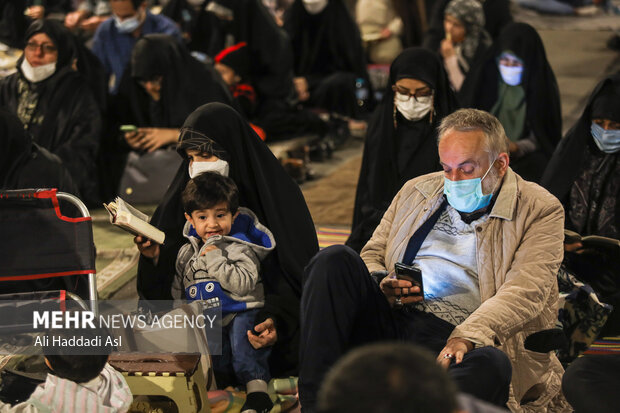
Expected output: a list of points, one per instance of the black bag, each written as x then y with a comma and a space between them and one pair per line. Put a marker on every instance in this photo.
147, 176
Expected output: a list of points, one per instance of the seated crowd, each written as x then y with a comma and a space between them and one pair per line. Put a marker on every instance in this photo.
465, 191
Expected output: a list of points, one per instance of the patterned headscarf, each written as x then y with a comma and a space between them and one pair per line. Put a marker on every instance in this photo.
471, 14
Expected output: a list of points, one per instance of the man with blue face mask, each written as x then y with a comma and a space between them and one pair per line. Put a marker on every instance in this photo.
115, 38
488, 245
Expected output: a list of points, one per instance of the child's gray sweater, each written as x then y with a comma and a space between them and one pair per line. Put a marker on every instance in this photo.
228, 274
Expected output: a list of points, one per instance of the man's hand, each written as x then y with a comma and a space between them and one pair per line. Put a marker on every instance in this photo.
74, 18
92, 23
455, 349
447, 48
267, 334
148, 248
35, 12
394, 288
301, 86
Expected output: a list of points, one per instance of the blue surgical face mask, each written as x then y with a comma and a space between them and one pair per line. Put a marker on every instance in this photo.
607, 141
466, 195
511, 74
127, 25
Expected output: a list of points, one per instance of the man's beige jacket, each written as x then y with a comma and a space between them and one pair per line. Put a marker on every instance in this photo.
519, 251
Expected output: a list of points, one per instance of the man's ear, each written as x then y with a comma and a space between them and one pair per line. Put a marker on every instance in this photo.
503, 160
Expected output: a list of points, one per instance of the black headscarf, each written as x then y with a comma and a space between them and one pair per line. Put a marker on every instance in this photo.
71, 119
264, 187
542, 98
326, 42
23, 164
271, 71
187, 83
576, 155
394, 156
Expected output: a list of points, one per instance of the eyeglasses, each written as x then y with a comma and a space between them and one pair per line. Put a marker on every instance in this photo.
404, 95
47, 48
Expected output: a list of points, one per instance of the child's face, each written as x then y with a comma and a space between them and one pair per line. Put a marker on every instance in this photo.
212, 221
228, 74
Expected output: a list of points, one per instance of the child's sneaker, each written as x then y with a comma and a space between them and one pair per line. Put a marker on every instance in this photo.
257, 402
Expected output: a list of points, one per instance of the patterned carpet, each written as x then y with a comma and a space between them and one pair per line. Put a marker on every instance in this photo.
332, 236
606, 345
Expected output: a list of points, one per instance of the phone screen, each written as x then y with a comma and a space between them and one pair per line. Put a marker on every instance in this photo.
128, 128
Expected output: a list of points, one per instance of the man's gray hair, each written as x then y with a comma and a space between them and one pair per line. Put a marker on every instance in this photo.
465, 120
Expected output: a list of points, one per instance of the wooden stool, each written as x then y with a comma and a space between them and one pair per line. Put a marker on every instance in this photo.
176, 376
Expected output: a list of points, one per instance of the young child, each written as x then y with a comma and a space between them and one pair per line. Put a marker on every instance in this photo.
222, 262
77, 382
233, 64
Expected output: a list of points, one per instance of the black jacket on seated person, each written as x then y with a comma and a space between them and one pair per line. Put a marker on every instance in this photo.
328, 52
59, 112
585, 179
24, 164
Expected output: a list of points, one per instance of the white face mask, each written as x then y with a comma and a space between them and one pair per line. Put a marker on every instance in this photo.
39, 73
511, 74
314, 6
127, 25
196, 168
413, 109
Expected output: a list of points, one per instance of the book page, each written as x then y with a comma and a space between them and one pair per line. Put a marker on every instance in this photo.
125, 206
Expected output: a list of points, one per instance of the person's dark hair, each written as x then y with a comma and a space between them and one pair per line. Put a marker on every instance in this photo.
76, 363
387, 378
209, 189
136, 3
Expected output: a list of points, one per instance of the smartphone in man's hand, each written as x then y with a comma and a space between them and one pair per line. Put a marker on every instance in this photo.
411, 274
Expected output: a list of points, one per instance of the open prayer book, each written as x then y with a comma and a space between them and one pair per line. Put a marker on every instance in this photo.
133, 221
591, 241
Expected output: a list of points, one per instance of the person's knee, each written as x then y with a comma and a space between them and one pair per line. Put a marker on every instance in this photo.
495, 363
572, 381
331, 264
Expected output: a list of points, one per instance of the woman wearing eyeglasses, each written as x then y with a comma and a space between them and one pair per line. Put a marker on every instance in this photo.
55, 104
401, 141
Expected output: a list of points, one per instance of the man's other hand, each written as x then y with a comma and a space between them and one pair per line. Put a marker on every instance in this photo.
455, 349
394, 289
